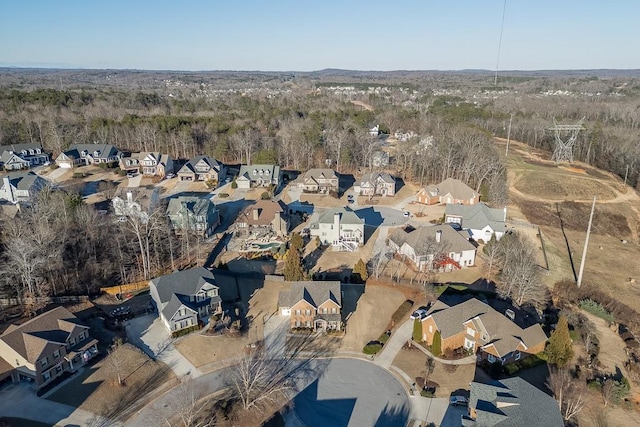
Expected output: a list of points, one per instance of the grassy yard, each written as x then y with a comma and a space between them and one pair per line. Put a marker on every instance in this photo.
96, 389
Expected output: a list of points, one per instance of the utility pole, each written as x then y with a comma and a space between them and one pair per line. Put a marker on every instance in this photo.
626, 173
586, 243
506, 152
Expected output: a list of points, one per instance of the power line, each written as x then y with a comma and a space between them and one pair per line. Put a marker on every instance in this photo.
504, 10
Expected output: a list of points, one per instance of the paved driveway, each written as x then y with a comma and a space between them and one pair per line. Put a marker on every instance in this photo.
150, 335
19, 400
135, 181
351, 392
275, 335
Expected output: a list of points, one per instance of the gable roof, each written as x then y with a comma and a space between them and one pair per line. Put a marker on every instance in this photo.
253, 172
319, 173
267, 210
347, 216
42, 334
8, 155
146, 197
512, 402
502, 333
453, 241
26, 181
190, 166
315, 293
458, 189
478, 216
194, 204
374, 176
104, 150
159, 158
17, 148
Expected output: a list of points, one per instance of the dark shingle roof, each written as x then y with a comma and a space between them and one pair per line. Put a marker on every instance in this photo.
315, 293
513, 402
478, 216
452, 240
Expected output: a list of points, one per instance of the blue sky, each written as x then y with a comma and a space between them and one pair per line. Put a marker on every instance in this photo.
311, 35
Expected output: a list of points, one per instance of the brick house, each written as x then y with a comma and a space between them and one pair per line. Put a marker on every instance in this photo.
481, 330
45, 347
376, 184
451, 191
312, 305
320, 181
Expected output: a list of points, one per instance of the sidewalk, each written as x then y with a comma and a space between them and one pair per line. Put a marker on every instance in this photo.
394, 344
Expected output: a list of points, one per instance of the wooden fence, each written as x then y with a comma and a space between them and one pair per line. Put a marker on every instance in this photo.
123, 289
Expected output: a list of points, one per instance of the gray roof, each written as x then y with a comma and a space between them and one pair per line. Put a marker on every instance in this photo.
172, 288
196, 205
252, 172
190, 165
347, 216
104, 150
502, 333
320, 173
512, 402
478, 216
373, 176
17, 148
6, 156
146, 197
452, 240
315, 293
455, 187
26, 181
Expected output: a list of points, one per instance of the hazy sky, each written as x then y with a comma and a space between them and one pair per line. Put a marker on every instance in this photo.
307, 35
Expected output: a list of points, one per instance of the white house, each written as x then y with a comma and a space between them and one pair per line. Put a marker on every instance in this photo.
438, 247
258, 176
482, 221
340, 227
21, 187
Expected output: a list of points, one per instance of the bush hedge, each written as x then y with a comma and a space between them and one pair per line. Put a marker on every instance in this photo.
404, 308
596, 309
185, 331
372, 348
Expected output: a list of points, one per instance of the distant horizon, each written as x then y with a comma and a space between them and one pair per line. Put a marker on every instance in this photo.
200, 35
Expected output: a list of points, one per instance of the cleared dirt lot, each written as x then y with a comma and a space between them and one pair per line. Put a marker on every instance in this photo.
203, 350
96, 388
374, 310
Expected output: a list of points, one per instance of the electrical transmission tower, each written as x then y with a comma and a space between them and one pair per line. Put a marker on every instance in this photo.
563, 151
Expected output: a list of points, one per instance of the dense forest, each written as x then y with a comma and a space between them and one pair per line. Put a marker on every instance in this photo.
297, 120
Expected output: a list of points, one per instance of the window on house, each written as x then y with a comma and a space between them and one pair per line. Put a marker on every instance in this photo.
56, 354
308, 324
334, 310
46, 376
297, 323
44, 362
307, 312
430, 329
518, 355
58, 368
298, 312
491, 359
471, 332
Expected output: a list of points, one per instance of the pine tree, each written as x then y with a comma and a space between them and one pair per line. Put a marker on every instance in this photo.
560, 348
293, 270
360, 272
436, 346
417, 330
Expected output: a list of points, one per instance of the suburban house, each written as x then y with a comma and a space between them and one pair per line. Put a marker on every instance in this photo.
511, 402
321, 181
186, 298
376, 184
482, 221
156, 164
340, 227
437, 247
22, 156
374, 131
21, 187
135, 201
88, 154
45, 347
451, 190
259, 176
264, 216
196, 214
130, 163
312, 305
203, 168
479, 329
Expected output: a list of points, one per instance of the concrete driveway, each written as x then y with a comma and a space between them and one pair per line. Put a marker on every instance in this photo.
275, 335
19, 400
135, 181
150, 335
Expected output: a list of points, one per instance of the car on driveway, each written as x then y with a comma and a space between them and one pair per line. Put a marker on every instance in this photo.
458, 401
420, 313
405, 214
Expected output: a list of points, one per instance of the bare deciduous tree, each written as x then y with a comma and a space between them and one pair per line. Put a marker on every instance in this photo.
570, 393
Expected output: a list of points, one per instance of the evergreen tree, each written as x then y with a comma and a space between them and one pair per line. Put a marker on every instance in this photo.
293, 270
296, 243
360, 272
436, 346
560, 350
417, 330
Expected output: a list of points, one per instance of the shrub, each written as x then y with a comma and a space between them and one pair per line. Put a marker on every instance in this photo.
234, 184
384, 338
404, 308
265, 196
436, 347
79, 175
223, 195
427, 393
511, 368
184, 331
53, 166
372, 348
596, 309
417, 330
103, 165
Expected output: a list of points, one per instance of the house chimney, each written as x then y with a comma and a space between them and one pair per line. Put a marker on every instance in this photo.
6, 182
438, 236
256, 214
336, 221
129, 196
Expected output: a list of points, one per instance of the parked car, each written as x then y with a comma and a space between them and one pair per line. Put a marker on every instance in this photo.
458, 401
405, 214
419, 314
170, 175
